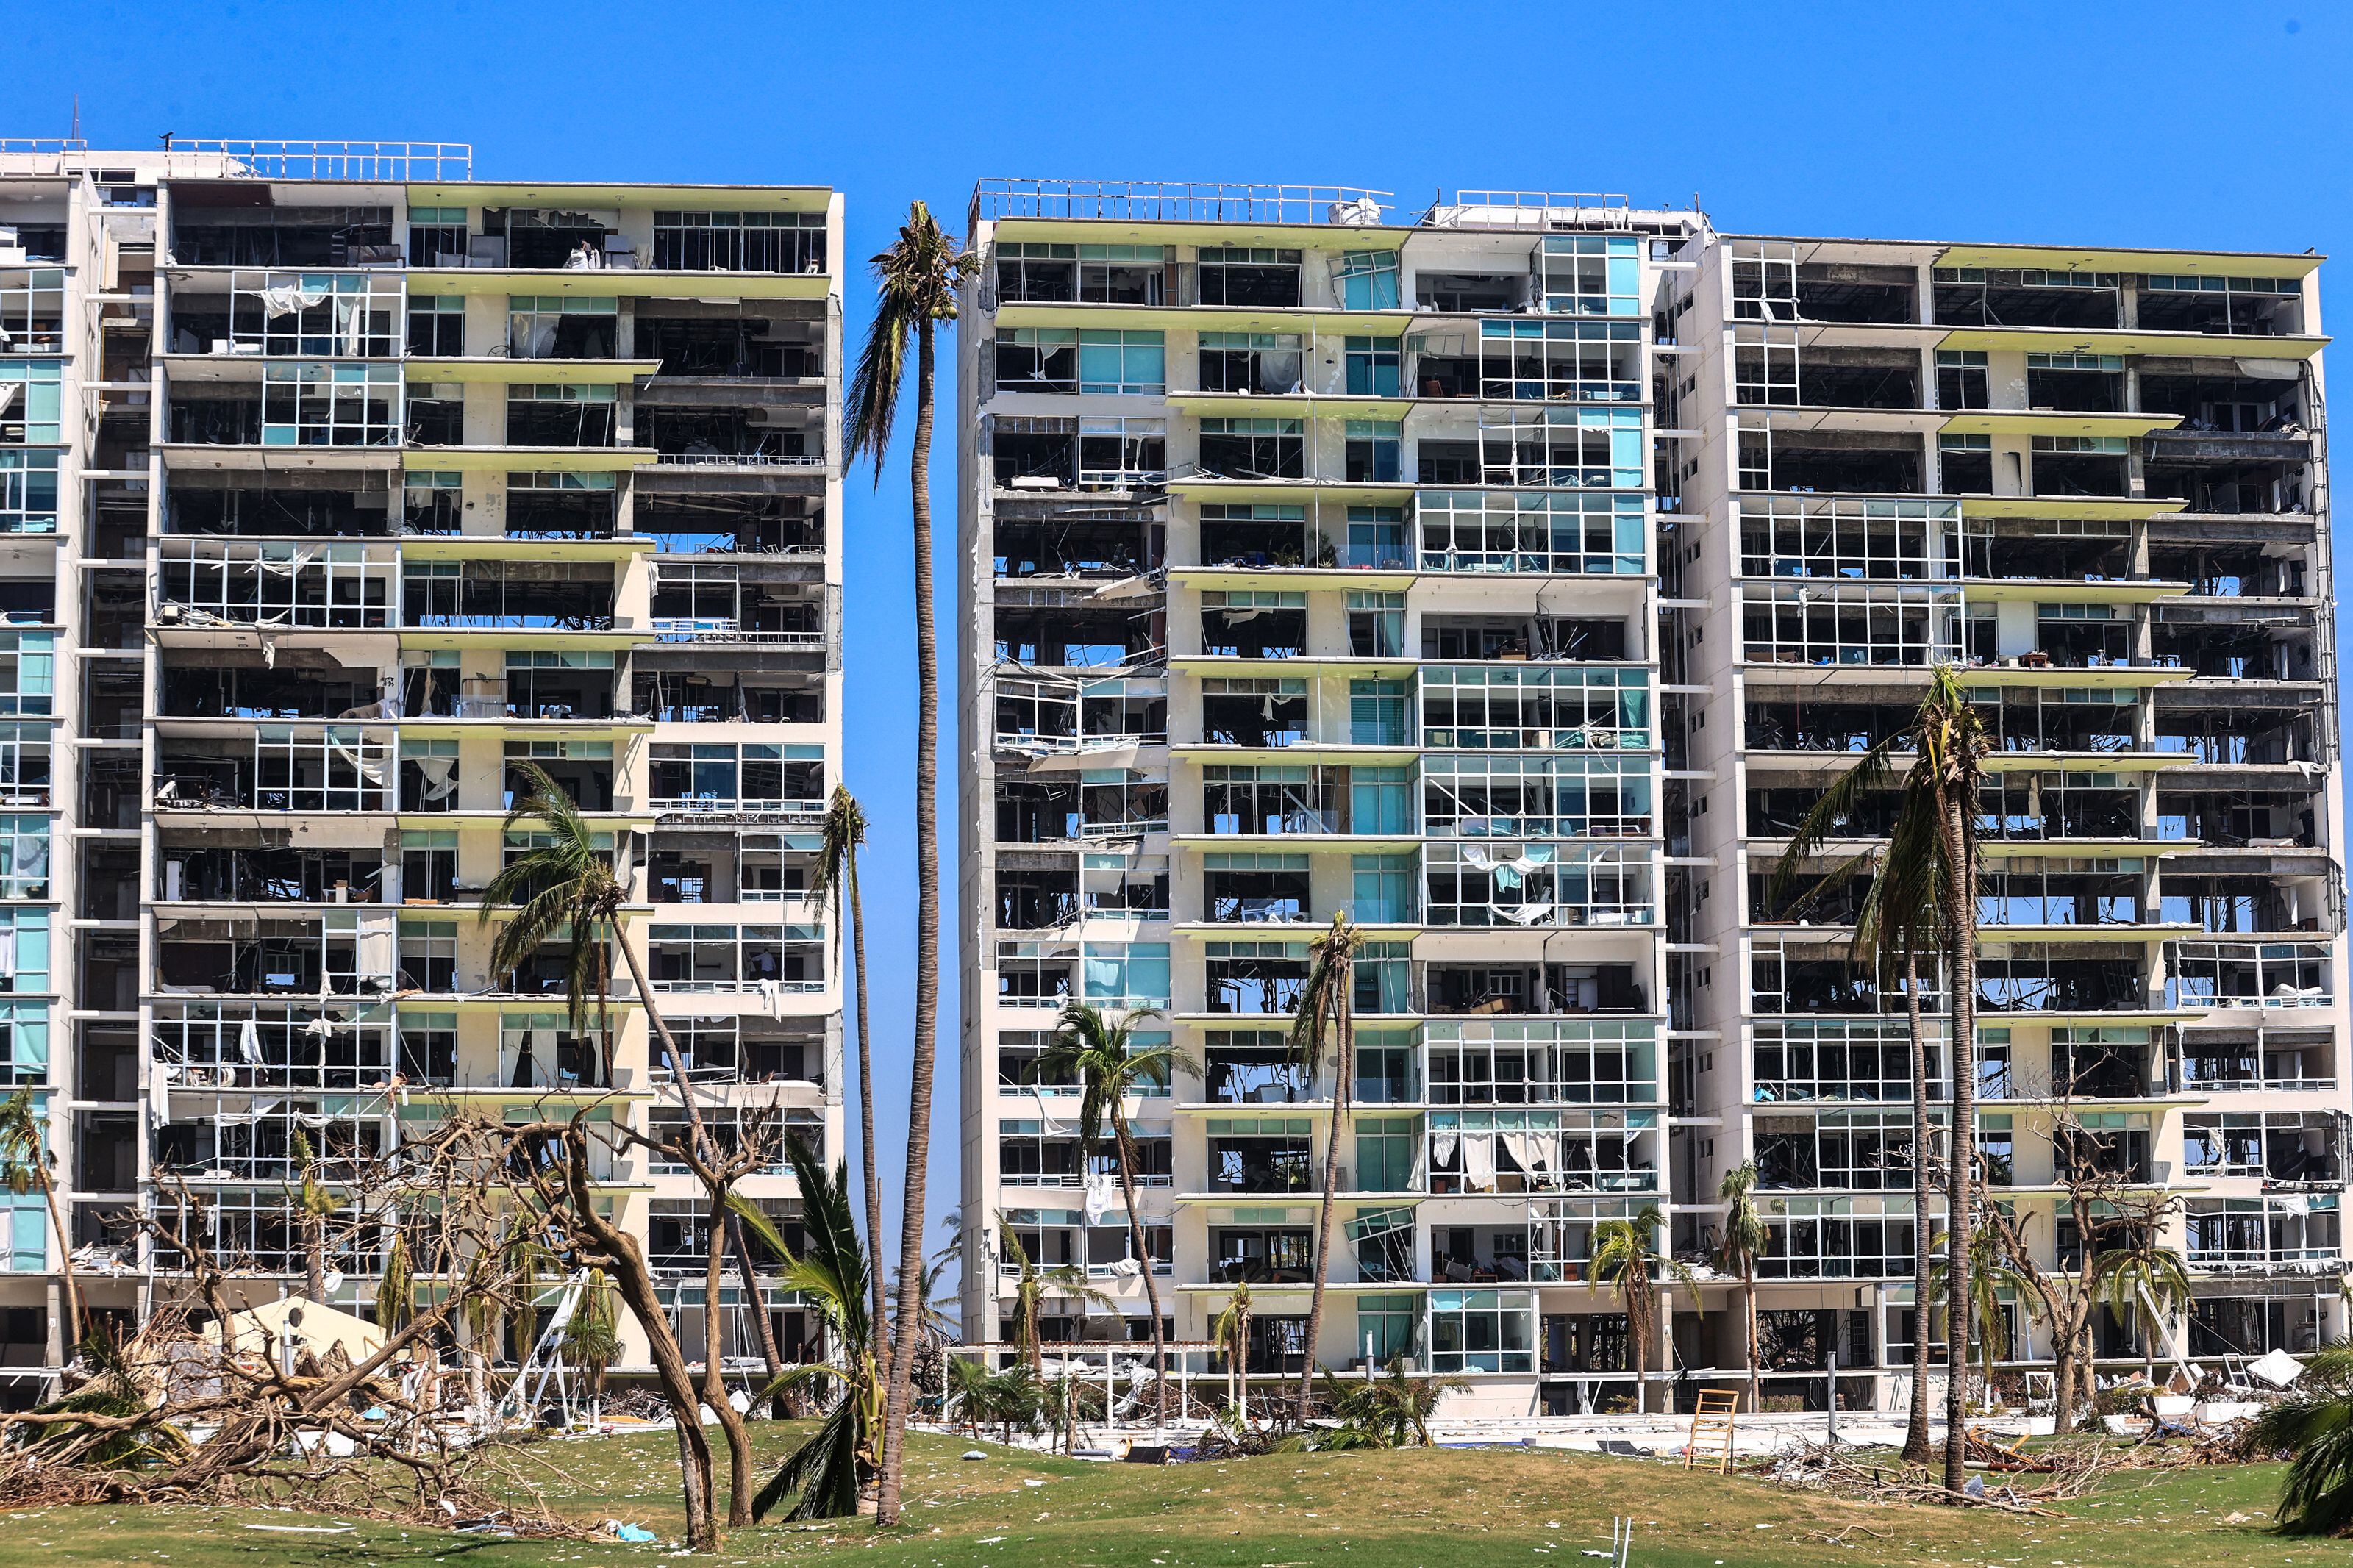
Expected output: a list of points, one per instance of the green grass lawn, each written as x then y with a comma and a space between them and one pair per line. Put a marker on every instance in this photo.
1361, 1510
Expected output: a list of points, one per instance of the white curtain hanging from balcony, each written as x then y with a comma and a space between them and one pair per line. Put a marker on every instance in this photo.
1479, 1161
440, 775
286, 298
370, 764
1103, 1198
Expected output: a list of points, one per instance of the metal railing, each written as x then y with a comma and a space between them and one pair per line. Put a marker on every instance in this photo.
742, 461
720, 628
1177, 201
1526, 209
371, 161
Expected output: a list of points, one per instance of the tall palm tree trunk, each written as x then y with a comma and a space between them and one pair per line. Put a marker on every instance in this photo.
314, 1258
756, 1301
1756, 1349
866, 1106
1960, 924
1343, 1069
927, 948
1125, 1146
1915, 1433
636, 1284
75, 1327
715, 1377
1640, 1303
755, 1297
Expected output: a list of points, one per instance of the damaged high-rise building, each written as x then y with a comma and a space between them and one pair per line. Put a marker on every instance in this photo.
337, 485
1512, 576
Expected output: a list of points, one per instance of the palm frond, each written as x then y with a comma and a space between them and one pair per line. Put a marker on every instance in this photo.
915, 284
825, 1470
756, 1220
834, 1263
2317, 1499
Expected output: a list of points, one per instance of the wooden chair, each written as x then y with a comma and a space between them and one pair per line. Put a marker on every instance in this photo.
1718, 1410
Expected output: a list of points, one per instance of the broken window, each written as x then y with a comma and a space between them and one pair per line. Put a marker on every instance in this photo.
1367, 280
2184, 303
323, 315
283, 1045
28, 491
1036, 359
1264, 363
1764, 366
1243, 623
729, 958
1960, 378
1530, 885
1374, 452
2075, 382
1512, 796
1764, 281
1567, 709
1531, 532
1848, 537
1848, 626
32, 311
1034, 973
2026, 297
331, 404
1243, 276
1590, 448
562, 326
729, 778
1826, 1238
2246, 974
739, 241
1589, 275
561, 414
1840, 1058
1253, 448
436, 239
1254, 712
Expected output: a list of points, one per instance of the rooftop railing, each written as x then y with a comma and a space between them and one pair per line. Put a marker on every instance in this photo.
192, 157
1178, 201
371, 161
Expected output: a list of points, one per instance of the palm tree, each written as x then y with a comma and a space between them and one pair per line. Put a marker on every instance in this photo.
28, 1165
592, 1341
1111, 1064
1389, 1412
1624, 1256
834, 1465
1745, 1240
314, 1206
1922, 901
2145, 1284
835, 877
1030, 1292
967, 1395
915, 291
1324, 1019
1231, 1334
1992, 1277
566, 881
396, 1291
2316, 1427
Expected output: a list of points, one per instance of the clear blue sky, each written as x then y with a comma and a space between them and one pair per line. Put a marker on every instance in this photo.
2207, 125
